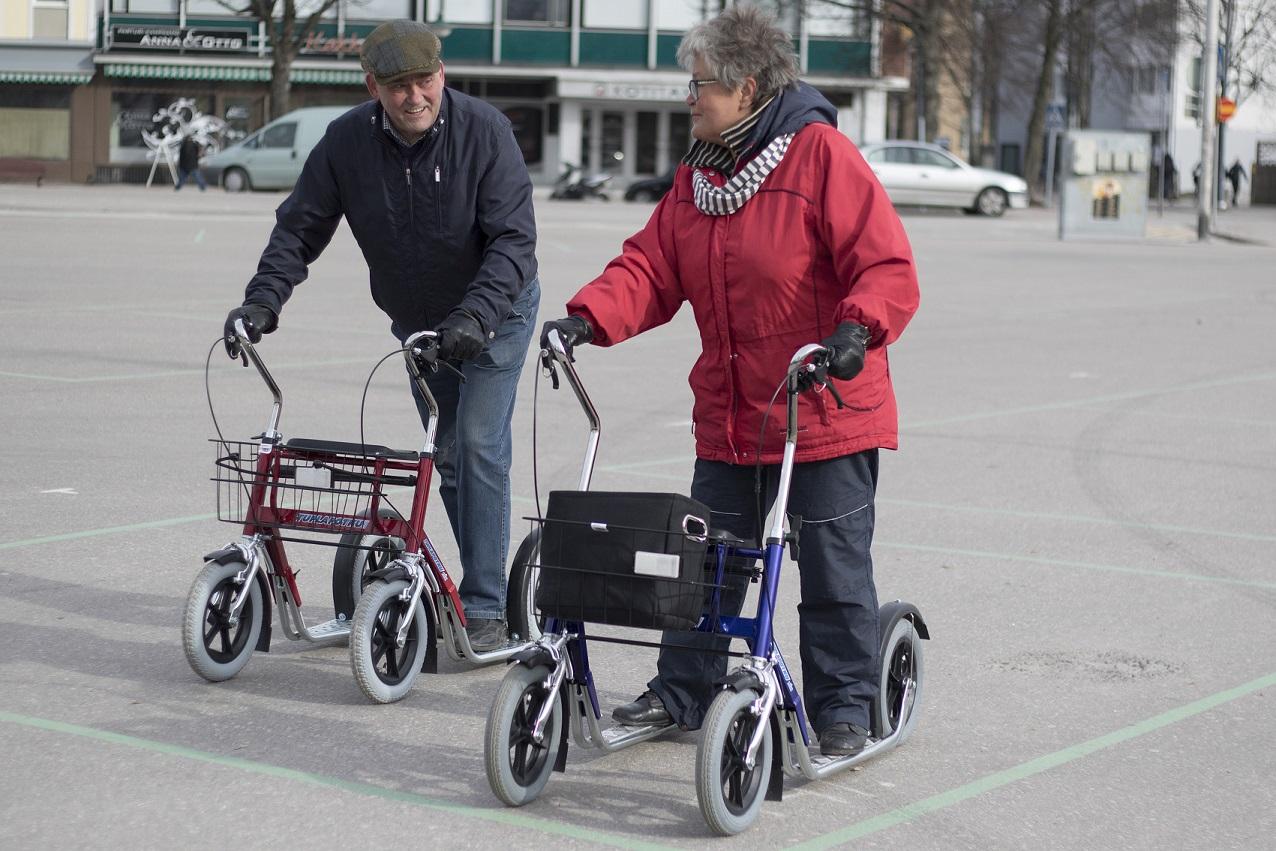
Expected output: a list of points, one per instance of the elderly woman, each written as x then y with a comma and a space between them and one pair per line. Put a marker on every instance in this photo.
778, 235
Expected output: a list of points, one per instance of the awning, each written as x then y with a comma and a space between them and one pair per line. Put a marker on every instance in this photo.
239, 73
59, 66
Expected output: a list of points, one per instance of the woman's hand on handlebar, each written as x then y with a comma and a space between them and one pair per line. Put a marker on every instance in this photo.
572, 330
846, 350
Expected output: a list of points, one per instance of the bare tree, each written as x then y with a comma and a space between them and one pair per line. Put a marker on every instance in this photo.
1052, 35
288, 24
1251, 49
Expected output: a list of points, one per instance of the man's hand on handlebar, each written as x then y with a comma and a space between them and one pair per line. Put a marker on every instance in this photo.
460, 337
257, 318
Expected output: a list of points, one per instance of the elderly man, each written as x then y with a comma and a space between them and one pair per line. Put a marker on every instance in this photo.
436, 193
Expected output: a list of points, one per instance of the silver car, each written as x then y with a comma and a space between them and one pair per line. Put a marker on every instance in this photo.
915, 173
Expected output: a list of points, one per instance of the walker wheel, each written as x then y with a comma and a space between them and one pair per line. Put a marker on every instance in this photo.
384, 670
731, 793
518, 766
215, 648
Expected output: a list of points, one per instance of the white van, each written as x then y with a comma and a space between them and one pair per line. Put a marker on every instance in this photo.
272, 157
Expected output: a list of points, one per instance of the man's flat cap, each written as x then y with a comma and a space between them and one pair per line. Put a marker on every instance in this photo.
399, 49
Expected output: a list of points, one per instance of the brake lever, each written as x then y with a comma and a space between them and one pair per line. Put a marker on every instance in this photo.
547, 364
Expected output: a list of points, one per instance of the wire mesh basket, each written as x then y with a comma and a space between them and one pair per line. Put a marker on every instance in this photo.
624, 559
307, 485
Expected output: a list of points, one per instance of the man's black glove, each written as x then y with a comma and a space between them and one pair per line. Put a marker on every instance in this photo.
460, 337
846, 350
257, 318
574, 331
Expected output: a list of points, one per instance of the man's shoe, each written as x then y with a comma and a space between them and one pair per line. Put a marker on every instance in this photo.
843, 739
647, 711
485, 634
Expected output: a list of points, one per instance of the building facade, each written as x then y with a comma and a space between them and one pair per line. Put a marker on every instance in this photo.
590, 82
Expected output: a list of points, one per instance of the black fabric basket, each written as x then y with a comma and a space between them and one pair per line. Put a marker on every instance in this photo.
624, 559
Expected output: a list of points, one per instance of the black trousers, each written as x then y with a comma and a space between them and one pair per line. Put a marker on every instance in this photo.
837, 615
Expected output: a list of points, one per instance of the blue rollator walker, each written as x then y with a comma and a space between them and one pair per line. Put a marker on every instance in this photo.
755, 731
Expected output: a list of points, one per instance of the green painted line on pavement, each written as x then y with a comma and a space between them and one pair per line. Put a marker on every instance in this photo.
1060, 562
1091, 400
109, 530
499, 816
916, 810
972, 509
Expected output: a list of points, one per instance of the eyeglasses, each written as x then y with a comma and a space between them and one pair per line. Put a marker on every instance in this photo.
693, 87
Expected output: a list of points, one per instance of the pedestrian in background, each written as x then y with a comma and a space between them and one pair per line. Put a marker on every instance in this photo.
188, 163
778, 234
435, 190
1235, 175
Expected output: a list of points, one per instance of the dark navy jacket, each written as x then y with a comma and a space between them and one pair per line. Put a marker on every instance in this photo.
445, 224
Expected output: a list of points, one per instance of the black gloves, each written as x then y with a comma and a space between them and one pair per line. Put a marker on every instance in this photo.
257, 318
460, 337
574, 330
846, 350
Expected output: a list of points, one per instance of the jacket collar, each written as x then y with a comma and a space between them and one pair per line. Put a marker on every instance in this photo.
787, 112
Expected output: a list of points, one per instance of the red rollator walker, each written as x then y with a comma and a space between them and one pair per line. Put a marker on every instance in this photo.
392, 595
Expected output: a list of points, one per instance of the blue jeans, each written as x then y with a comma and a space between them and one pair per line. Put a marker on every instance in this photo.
475, 450
182, 174
837, 616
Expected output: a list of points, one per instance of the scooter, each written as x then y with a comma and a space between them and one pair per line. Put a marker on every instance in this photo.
574, 185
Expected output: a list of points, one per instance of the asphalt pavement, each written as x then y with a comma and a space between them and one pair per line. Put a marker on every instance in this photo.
1082, 508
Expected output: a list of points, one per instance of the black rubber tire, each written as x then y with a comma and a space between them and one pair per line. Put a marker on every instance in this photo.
358, 556
520, 597
730, 795
517, 767
901, 657
215, 650
236, 180
385, 672
992, 202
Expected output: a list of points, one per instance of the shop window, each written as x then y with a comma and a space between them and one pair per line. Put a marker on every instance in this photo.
683, 14
679, 135
459, 11
49, 19
613, 140
645, 155
134, 112
378, 10
586, 139
168, 6
552, 13
35, 122
528, 123
608, 14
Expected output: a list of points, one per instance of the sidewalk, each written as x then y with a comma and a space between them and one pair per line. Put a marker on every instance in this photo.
1239, 224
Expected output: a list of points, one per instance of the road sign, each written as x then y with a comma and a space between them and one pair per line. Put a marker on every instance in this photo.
1056, 116
1226, 109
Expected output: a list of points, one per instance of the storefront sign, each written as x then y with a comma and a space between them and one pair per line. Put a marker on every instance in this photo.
325, 45
621, 90
178, 38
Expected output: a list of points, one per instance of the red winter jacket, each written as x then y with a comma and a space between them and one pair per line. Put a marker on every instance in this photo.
818, 244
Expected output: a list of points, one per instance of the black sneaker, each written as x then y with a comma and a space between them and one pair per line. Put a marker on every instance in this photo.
485, 634
647, 711
843, 739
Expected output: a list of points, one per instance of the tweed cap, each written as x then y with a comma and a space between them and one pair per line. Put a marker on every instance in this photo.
399, 49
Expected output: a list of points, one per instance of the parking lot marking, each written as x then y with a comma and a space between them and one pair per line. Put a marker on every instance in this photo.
637, 469
500, 816
1062, 562
1090, 400
137, 376
915, 810
109, 530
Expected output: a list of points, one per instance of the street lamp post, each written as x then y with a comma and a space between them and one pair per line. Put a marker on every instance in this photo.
1209, 102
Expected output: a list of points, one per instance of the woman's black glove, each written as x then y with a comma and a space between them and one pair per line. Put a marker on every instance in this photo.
257, 318
460, 337
574, 331
846, 350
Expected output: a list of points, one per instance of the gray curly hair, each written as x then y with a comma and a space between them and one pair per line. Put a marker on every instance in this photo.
742, 42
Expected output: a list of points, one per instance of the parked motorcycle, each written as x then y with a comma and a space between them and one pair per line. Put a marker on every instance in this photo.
574, 185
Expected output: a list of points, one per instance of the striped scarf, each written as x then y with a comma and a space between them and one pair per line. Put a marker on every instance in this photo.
732, 195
